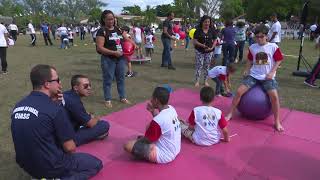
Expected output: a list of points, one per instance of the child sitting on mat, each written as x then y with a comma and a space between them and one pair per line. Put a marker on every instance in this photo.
162, 139
221, 74
204, 122
264, 59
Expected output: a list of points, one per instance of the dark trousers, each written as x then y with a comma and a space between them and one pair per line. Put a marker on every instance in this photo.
219, 86
13, 34
83, 167
46, 38
3, 57
228, 53
166, 54
239, 47
82, 35
33, 39
314, 73
79, 166
85, 135
53, 34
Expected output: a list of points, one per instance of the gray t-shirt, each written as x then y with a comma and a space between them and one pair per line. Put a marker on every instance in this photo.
167, 23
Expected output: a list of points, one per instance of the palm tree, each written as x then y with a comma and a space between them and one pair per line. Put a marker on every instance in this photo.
149, 16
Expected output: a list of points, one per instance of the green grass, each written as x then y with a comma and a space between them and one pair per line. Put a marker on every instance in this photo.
84, 60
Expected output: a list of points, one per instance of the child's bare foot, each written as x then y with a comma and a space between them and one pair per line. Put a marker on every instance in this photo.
196, 84
228, 117
278, 127
206, 84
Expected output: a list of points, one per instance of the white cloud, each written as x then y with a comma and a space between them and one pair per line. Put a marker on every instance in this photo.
117, 5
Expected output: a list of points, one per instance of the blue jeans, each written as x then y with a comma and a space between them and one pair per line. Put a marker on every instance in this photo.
219, 86
239, 47
63, 45
187, 42
113, 67
267, 85
228, 53
85, 135
166, 55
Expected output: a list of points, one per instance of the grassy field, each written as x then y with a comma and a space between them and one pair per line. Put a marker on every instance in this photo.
84, 60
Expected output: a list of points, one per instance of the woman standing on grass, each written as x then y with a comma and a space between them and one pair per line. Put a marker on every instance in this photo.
113, 63
204, 43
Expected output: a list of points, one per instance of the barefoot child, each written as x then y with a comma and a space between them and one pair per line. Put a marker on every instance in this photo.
162, 139
264, 59
204, 122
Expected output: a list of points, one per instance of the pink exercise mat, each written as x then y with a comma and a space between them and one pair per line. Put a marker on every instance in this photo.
255, 150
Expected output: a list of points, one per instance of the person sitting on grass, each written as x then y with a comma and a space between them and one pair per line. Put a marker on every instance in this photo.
87, 127
162, 139
202, 127
264, 59
221, 74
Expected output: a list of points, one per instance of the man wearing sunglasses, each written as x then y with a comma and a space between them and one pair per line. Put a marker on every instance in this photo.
42, 133
86, 125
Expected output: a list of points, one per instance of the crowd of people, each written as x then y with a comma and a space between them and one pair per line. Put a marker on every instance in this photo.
48, 124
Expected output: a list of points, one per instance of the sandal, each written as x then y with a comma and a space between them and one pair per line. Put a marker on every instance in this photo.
125, 101
108, 104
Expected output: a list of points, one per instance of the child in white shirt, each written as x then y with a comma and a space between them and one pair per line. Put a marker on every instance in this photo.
204, 122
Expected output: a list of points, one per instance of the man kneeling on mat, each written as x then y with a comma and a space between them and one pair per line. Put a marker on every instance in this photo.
162, 139
202, 127
87, 126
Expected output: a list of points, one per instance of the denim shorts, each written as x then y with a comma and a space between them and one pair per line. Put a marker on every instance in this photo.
267, 85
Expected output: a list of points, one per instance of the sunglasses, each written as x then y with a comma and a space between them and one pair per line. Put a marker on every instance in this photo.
86, 86
53, 80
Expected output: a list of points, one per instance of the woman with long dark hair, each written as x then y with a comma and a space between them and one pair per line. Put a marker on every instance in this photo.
113, 63
204, 43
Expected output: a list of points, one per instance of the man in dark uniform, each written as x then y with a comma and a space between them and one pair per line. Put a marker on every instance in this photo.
42, 133
87, 126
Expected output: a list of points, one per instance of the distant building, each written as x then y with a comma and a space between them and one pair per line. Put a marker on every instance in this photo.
6, 19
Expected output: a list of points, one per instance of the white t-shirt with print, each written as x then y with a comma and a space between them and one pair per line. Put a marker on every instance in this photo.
169, 144
276, 27
216, 71
263, 58
31, 28
137, 35
3, 31
149, 41
206, 130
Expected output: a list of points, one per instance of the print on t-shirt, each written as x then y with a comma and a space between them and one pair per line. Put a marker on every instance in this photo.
209, 121
114, 36
262, 58
176, 124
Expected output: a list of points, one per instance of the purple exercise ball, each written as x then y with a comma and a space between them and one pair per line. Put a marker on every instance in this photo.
255, 104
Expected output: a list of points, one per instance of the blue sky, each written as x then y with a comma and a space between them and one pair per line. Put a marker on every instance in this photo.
116, 5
